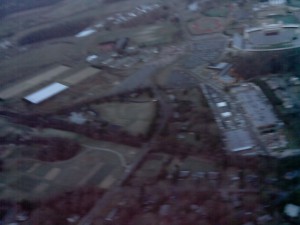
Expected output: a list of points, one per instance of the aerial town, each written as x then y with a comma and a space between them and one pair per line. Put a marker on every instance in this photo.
153, 112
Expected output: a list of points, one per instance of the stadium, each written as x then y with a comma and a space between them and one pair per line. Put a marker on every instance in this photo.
268, 37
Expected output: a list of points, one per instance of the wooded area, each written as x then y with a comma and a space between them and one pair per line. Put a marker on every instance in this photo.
8, 7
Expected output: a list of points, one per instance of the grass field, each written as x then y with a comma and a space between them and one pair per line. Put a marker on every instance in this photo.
28, 178
133, 117
30, 83
217, 12
206, 25
295, 3
196, 165
35, 60
148, 35
285, 18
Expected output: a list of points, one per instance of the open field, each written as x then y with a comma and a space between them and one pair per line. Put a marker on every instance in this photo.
155, 34
217, 12
34, 61
148, 35
133, 117
28, 84
28, 178
81, 75
206, 25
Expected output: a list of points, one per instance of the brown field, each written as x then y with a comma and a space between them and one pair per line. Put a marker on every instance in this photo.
133, 117
81, 75
206, 25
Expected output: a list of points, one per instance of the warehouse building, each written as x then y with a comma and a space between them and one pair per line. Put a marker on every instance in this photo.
45, 93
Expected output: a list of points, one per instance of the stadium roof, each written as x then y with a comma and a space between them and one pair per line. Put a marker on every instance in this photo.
45, 93
268, 37
259, 37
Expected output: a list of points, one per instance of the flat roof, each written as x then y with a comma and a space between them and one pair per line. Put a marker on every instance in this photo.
226, 114
221, 104
85, 33
45, 93
238, 140
292, 210
255, 105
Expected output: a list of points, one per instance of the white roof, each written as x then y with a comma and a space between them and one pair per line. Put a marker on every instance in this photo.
221, 104
90, 58
226, 114
45, 93
85, 33
292, 210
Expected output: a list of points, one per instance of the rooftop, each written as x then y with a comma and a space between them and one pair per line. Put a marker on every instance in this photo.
255, 105
45, 93
238, 140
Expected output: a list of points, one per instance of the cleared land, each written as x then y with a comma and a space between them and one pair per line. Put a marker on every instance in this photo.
148, 35
133, 117
206, 25
25, 85
33, 179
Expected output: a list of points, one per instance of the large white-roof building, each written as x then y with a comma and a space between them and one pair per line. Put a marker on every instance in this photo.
45, 93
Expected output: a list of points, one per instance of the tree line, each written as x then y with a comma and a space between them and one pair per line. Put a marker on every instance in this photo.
8, 7
60, 30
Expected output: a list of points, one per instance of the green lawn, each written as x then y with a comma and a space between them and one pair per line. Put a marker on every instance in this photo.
295, 3
28, 178
217, 12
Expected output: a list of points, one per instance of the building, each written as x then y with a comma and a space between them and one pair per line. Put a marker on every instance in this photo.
268, 37
238, 140
221, 72
121, 44
256, 107
45, 93
277, 2
292, 210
